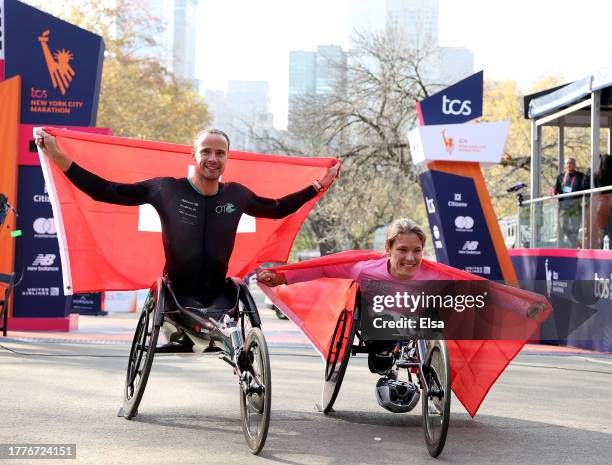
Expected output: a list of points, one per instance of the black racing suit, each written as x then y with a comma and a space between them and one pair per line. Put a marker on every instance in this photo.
198, 231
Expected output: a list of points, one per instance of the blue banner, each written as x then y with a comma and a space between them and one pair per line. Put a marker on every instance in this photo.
60, 66
458, 103
580, 290
461, 237
87, 304
40, 292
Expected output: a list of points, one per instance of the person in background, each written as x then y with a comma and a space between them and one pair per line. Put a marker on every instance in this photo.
571, 180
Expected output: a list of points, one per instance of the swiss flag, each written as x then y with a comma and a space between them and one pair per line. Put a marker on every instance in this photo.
113, 247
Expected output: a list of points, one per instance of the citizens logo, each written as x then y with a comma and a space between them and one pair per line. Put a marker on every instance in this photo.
227, 208
44, 227
41, 198
449, 142
464, 223
457, 201
456, 107
470, 248
58, 64
44, 262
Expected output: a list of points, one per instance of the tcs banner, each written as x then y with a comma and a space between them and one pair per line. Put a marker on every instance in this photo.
458, 103
60, 65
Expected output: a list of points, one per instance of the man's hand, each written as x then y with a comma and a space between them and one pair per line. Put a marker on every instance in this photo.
271, 278
48, 144
331, 174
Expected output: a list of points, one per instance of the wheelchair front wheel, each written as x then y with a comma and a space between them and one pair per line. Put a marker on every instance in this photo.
436, 400
256, 391
142, 352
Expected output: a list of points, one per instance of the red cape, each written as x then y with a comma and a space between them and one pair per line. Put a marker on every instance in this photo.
314, 307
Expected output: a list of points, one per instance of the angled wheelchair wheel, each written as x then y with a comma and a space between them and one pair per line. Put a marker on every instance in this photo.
143, 350
338, 359
256, 391
436, 401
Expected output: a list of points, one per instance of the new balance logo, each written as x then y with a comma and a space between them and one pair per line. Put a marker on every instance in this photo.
470, 248
44, 259
470, 245
44, 262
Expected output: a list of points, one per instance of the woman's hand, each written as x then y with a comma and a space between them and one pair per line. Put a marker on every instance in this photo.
271, 278
331, 174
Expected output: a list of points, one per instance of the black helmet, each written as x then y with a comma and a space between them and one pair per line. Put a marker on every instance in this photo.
396, 396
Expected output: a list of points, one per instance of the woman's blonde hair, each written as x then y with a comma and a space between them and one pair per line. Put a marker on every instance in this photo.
403, 226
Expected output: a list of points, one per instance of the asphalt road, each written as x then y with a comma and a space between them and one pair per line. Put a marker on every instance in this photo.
543, 410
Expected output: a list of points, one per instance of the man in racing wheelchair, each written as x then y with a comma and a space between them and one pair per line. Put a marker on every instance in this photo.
199, 217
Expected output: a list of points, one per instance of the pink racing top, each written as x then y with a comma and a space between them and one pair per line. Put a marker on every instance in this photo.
375, 270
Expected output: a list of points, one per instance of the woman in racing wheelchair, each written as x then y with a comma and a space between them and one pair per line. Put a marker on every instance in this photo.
227, 323
404, 251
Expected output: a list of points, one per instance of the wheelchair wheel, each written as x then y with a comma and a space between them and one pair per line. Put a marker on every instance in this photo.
256, 392
142, 352
436, 402
338, 359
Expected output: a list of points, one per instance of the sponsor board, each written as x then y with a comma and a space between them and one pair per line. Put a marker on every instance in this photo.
60, 66
461, 237
39, 293
458, 103
482, 142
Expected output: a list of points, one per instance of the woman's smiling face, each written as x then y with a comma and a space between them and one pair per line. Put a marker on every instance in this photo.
405, 255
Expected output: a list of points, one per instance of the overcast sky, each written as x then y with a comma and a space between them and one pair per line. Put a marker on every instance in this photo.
522, 40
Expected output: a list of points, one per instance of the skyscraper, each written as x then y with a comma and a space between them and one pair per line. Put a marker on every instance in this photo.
178, 38
417, 20
313, 73
302, 78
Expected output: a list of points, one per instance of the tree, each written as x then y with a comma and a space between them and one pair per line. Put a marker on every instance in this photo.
365, 122
139, 97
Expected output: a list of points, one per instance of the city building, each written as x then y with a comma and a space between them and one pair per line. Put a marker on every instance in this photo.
314, 73
417, 20
241, 111
178, 38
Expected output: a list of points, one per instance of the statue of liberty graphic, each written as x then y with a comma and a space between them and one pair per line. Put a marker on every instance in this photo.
58, 64
548, 278
449, 143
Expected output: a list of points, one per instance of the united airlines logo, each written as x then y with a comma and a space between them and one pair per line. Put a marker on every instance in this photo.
449, 143
58, 64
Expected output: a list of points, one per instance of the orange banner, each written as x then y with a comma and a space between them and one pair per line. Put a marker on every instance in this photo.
10, 95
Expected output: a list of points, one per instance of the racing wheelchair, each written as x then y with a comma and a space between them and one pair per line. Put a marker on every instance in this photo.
425, 360
228, 325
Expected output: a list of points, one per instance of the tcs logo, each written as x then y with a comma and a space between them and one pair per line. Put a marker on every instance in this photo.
38, 93
456, 107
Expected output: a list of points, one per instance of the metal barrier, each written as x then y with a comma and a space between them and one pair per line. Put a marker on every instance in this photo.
578, 220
